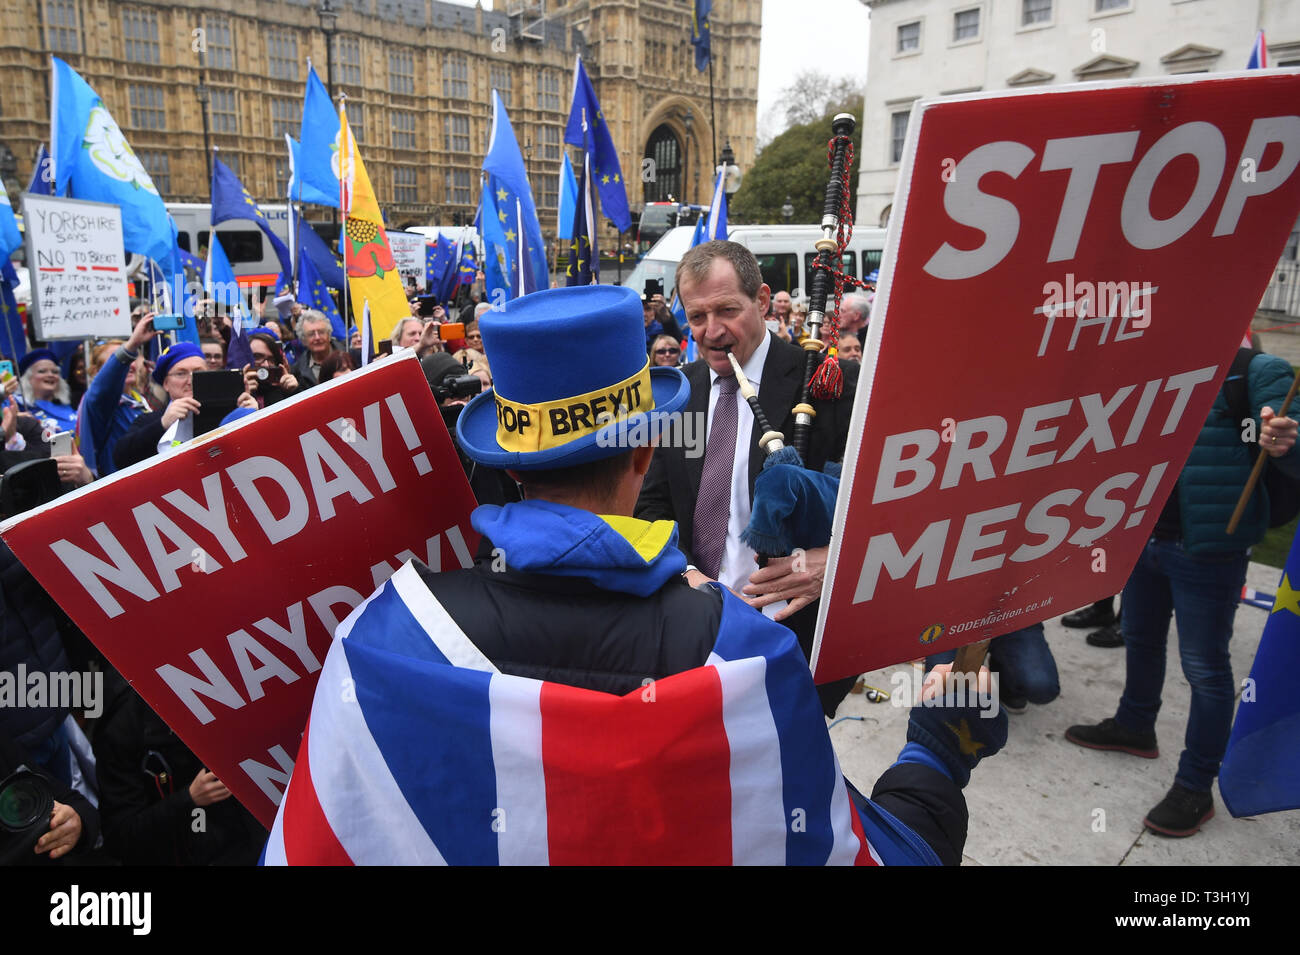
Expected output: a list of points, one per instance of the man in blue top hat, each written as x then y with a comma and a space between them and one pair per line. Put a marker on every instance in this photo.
579, 596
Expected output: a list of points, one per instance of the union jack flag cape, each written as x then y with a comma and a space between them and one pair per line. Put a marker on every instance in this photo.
419, 751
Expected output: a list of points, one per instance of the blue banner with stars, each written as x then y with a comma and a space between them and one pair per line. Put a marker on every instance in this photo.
230, 200
509, 219
1261, 769
584, 256
313, 293
588, 130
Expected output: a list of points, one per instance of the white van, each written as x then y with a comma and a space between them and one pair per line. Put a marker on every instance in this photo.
251, 257
785, 255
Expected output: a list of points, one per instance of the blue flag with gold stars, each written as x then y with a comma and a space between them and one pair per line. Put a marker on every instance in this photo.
584, 256
230, 200
436, 260
595, 139
510, 228
12, 340
701, 34
313, 293
1261, 769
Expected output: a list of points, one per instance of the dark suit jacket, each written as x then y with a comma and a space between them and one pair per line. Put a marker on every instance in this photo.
673, 481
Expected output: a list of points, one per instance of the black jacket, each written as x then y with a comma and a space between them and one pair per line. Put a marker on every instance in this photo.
673, 481
148, 816
140, 441
31, 626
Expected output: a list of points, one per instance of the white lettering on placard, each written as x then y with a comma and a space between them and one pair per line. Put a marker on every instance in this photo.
245, 476
91, 572
267, 777
1084, 156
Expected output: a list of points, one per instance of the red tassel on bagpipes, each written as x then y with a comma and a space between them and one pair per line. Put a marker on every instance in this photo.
828, 381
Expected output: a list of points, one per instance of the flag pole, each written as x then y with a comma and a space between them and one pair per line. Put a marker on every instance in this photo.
1260, 461
345, 206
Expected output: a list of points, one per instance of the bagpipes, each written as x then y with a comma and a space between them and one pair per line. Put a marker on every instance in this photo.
793, 506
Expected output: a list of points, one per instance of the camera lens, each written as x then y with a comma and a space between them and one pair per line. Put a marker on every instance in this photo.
263, 374
24, 800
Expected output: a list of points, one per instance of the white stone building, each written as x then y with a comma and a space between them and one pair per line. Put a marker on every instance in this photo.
923, 48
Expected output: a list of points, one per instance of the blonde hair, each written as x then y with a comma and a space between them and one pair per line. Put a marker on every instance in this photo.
100, 356
397, 329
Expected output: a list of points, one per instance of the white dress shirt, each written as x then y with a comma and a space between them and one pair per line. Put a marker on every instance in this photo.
738, 557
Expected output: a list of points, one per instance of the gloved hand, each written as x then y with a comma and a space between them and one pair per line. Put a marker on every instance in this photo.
958, 722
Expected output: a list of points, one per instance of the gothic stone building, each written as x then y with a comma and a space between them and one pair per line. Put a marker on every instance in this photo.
418, 75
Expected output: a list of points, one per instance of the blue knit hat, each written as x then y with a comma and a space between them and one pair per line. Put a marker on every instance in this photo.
547, 411
178, 352
35, 355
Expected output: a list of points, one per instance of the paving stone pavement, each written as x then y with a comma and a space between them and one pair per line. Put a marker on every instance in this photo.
1045, 801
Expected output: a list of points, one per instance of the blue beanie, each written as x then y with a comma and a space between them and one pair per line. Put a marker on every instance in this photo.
178, 352
35, 355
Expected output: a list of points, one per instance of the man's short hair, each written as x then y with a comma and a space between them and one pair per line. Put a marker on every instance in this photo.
698, 262
481, 309
309, 315
596, 479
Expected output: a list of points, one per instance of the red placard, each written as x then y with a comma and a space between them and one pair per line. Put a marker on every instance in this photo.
1068, 277
213, 577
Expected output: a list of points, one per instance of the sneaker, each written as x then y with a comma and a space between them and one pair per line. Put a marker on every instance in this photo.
1110, 735
1180, 813
1091, 616
1106, 637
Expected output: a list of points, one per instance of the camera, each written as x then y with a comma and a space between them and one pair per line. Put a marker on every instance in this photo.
26, 801
653, 287
458, 386
270, 376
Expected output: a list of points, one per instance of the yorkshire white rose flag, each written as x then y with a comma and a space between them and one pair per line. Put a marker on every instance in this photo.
91, 159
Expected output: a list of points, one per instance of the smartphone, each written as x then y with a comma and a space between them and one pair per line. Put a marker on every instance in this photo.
217, 393
61, 444
386, 347
6, 370
653, 287
451, 331
168, 323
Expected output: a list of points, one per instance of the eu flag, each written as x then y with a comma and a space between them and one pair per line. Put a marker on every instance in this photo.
446, 269
467, 269
41, 175
594, 137
14, 342
92, 160
584, 262
510, 228
1261, 769
435, 261
717, 224
313, 293
230, 200
701, 34
318, 161
221, 286
326, 263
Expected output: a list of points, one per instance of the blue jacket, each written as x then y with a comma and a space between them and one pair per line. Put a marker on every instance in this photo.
1219, 466
105, 415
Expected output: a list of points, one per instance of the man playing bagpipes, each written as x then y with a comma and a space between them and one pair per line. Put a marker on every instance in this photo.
572, 699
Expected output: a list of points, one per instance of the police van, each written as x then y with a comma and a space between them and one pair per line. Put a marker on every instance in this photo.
785, 255
251, 256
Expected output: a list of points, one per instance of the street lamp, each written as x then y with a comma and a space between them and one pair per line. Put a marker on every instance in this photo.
203, 95
329, 19
787, 210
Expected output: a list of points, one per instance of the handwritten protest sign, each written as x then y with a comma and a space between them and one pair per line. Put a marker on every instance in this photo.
213, 578
1068, 277
78, 268
408, 256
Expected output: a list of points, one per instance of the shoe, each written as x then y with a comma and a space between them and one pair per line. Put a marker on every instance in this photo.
1092, 616
1106, 637
1180, 813
1013, 704
1110, 735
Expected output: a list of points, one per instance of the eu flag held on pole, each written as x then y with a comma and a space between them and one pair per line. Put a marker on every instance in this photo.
584, 256
230, 200
701, 34
717, 224
320, 154
313, 293
40, 184
92, 160
596, 139
510, 224
1261, 768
